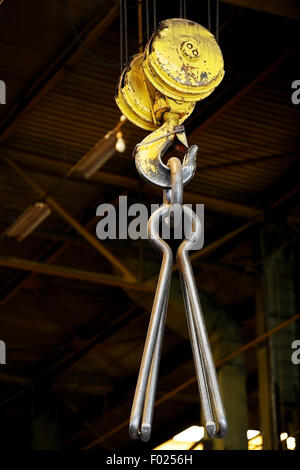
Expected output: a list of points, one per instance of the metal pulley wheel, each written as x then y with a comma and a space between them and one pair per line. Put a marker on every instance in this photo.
182, 64
183, 60
134, 95
141, 103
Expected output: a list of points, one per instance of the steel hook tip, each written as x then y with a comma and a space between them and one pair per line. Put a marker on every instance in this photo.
211, 428
145, 432
134, 428
149, 153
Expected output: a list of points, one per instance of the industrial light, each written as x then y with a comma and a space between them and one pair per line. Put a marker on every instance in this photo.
102, 151
184, 440
191, 434
291, 443
252, 433
171, 444
255, 443
97, 156
28, 221
284, 436
120, 144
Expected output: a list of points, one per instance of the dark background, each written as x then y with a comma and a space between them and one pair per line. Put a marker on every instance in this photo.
74, 343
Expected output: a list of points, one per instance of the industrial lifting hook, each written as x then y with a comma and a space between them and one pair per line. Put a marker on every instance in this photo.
148, 154
181, 64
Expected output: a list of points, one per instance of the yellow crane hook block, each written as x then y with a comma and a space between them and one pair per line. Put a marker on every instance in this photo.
181, 65
183, 60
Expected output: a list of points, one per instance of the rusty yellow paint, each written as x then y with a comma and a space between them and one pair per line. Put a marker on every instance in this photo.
183, 60
182, 64
155, 143
141, 103
135, 96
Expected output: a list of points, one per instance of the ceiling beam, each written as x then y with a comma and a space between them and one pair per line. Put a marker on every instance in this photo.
286, 8
72, 273
91, 239
60, 386
41, 164
48, 253
57, 70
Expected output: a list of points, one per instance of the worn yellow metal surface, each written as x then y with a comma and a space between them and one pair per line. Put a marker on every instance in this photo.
182, 64
183, 60
135, 97
142, 103
156, 143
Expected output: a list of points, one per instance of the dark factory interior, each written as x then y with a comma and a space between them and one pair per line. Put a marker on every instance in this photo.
74, 308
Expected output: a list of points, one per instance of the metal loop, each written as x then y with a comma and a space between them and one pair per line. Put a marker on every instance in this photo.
174, 196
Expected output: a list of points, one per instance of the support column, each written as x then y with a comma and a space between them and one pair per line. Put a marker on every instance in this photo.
279, 274
264, 374
46, 420
232, 382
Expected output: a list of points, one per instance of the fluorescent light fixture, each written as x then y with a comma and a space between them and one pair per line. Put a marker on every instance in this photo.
284, 436
291, 443
174, 445
252, 433
191, 434
97, 156
28, 221
178, 445
184, 440
255, 443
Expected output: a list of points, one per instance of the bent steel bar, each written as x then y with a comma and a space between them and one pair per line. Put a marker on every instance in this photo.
144, 397
205, 368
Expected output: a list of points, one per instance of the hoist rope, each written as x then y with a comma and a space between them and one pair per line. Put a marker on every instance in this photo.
121, 37
81, 41
154, 15
140, 25
147, 20
217, 21
125, 32
184, 8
